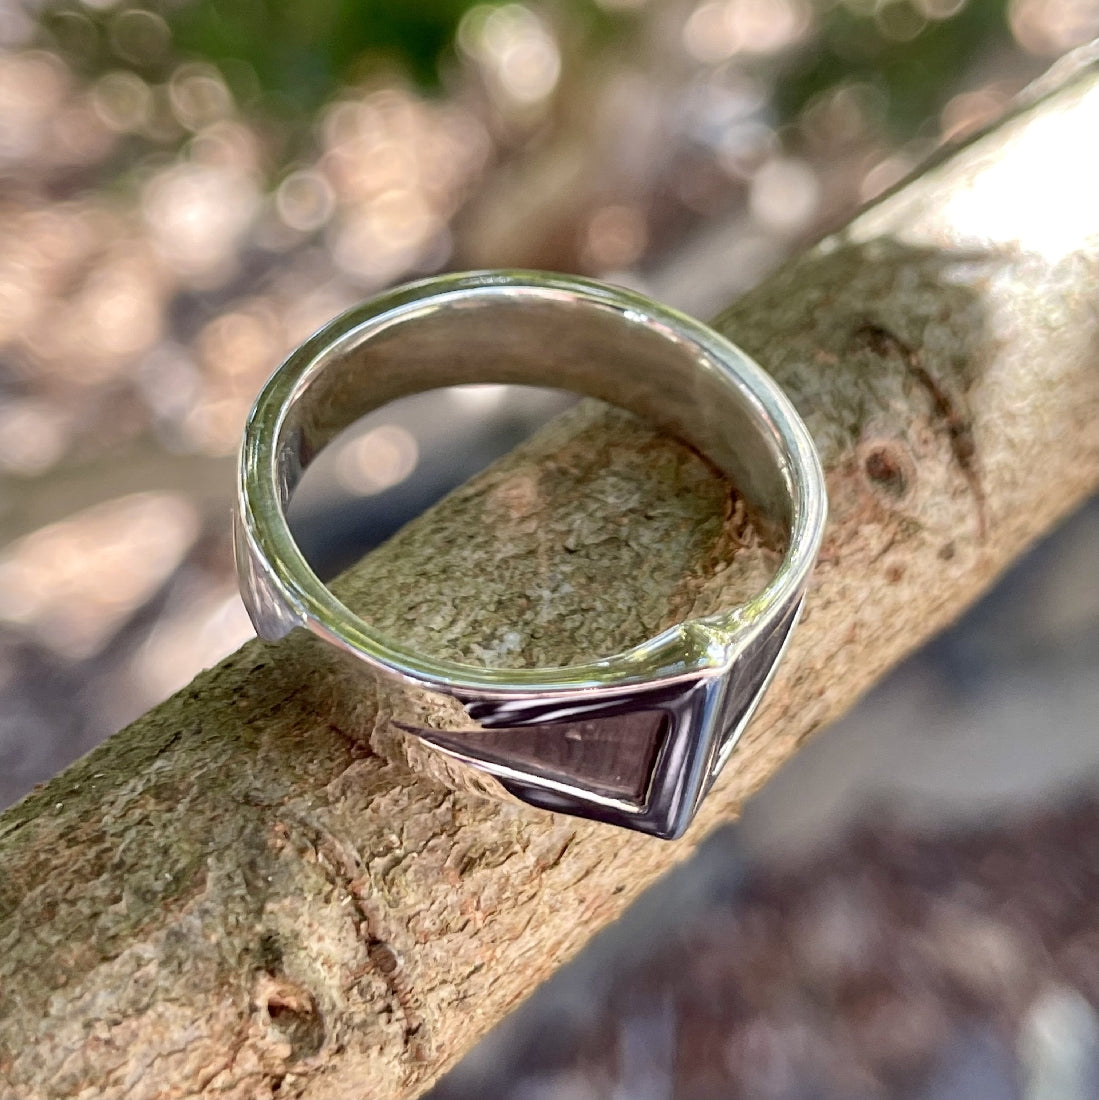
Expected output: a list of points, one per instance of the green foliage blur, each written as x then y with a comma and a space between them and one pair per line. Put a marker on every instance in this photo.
285, 58
295, 55
912, 63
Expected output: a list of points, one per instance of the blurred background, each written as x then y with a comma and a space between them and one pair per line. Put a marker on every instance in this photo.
189, 187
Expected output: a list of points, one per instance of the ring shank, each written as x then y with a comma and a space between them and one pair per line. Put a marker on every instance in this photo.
539, 337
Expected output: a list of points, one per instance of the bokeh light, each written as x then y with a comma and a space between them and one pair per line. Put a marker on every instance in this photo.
516, 50
785, 194
73, 584
377, 460
123, 101
1047, 28
719, 29
196, 216
139, 35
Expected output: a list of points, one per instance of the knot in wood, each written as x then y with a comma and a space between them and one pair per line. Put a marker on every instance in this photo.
888, 467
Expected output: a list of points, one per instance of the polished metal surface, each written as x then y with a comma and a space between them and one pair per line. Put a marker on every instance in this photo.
634, 739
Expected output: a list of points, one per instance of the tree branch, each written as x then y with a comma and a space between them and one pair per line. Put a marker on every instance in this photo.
247, 891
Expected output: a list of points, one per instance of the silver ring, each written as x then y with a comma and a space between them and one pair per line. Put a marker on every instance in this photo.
634, 739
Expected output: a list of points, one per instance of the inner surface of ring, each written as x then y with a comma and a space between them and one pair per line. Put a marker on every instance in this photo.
508, 334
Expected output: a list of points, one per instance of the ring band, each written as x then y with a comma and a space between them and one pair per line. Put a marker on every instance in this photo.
634, 739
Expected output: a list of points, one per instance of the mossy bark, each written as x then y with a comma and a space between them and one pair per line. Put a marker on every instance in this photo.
248, 891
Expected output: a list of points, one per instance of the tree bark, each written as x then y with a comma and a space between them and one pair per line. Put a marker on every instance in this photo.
248, 891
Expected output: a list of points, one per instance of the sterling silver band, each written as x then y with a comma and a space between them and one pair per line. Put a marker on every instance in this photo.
636, 738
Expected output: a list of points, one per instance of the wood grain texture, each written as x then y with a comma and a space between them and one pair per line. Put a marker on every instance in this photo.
248, 892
